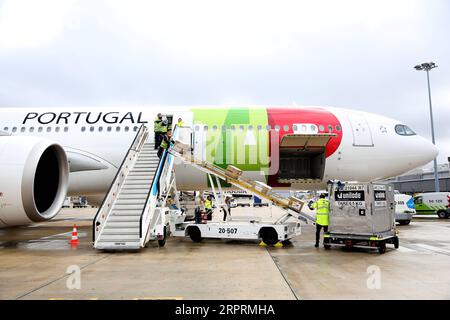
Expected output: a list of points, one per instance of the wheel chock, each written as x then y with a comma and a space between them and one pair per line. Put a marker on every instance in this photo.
278, 245
262, 244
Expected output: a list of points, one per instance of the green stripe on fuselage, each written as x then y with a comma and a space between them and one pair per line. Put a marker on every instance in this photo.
246, 149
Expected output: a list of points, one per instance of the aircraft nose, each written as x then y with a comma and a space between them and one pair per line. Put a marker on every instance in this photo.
427, 151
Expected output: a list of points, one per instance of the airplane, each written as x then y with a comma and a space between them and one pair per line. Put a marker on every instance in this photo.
48, 153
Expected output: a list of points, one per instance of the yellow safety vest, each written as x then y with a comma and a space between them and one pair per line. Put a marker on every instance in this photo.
322, 207
163, 144
208, 204
157, 125
163, 128
180, 124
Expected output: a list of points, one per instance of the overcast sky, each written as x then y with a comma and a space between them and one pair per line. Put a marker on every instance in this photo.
354, 54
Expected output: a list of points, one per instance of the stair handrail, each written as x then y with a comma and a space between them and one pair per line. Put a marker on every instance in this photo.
119, 178
153, 193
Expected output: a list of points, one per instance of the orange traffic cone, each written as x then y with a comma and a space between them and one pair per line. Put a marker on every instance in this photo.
74, 240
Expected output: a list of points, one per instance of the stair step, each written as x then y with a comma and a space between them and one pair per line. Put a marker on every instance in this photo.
122, 224
124, 218
128, 201
126, 212
120, 231
119, 237
133, 191
127, 207
119, 245
136, 186
130, 196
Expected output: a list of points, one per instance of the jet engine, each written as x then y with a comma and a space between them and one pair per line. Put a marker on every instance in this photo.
34, 176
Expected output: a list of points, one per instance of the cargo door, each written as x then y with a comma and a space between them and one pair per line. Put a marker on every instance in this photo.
362, 136
302, 157
383, 207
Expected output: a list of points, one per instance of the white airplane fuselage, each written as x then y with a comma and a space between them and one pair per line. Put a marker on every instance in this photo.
364, 147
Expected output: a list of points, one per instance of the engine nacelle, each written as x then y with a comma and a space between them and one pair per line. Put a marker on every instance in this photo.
34, 176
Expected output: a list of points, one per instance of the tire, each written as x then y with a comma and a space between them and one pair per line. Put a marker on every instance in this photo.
269, 236
162, 243
396, 242
382, 247
404, 222
195, 234
442, 214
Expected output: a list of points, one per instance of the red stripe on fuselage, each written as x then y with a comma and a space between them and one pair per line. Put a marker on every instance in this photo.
318, 116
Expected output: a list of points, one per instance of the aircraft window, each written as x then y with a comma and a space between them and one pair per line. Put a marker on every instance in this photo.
321, 127
268, 127
403, 130
22, 129
214, 128
14, 129
259, 127
241, 128
5, 128
277, 128
338, 127
224, 128
205, 128
57, 129
197, 128
31, 129
66, 129
49, 129
250, 127
286, 127
109, 129
91, 129
100, 129
136, 128
127, 129
232, 128
330, 128
117, 128
40, 129
294, 127
83, 129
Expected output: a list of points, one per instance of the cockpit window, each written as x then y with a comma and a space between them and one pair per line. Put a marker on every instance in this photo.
403, 130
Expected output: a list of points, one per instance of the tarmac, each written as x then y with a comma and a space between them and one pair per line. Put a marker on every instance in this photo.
37, 262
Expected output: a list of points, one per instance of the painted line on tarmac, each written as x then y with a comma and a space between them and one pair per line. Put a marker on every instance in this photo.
281, 272
405, 249
433, 248
59, 278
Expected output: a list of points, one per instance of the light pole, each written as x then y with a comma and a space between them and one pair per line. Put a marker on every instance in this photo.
427, 66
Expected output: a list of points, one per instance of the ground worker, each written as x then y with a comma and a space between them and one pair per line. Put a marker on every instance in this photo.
322, 207
208, 207
180, 122
157, 129
227, 207
165, 142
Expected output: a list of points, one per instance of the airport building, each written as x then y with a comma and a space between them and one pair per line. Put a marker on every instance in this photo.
422, 180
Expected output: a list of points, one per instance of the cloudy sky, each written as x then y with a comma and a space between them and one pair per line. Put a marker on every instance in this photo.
354, 54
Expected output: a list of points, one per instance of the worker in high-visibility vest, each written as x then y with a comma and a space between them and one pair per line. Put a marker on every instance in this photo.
208, 207
165, 142
322, 207
157, 129
180, 122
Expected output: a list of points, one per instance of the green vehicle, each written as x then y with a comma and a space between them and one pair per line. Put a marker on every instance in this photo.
433, 203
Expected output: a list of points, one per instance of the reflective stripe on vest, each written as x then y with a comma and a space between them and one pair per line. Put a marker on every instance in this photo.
163, 144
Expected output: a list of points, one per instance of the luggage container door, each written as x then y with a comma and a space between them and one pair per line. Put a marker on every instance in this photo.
383, 208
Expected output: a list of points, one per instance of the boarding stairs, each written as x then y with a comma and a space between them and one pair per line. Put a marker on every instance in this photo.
131, 211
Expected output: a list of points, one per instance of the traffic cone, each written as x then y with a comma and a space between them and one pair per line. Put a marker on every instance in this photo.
74, 240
